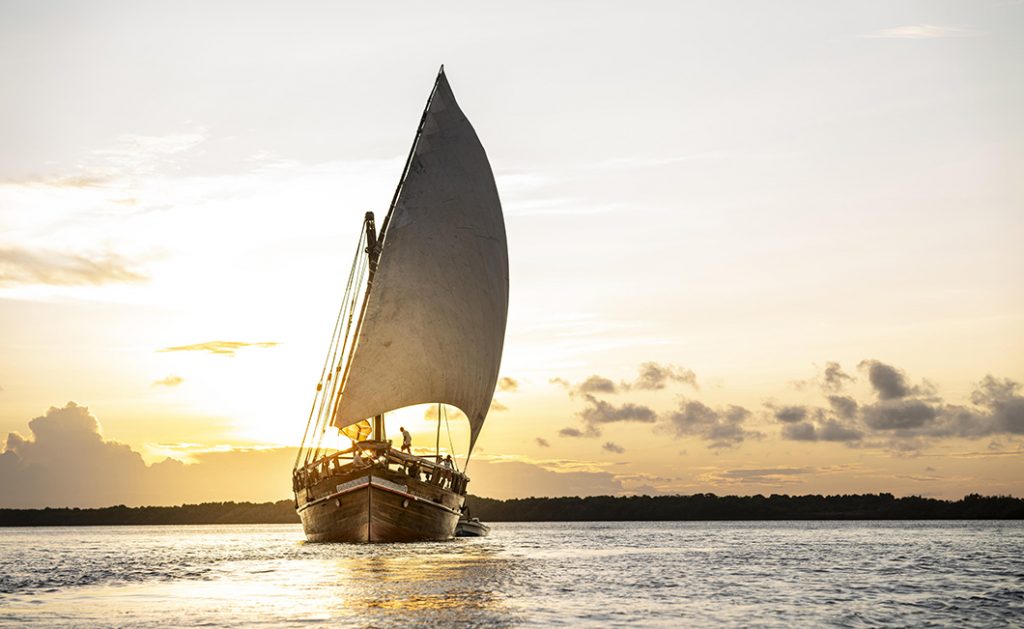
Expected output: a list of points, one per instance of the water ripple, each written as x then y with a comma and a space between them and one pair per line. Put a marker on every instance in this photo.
842, 574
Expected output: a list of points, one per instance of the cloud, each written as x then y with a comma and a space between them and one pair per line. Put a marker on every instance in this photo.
831, 430
827, 430
169, 381
789, 414
542, 442
597, 412
226, 348
596, 384
613, 447
833, 378
843, 406
921, 31
763, 475
497, 406
651, 377
569, 431
20, 266
601, 412
507, 384
888, 382
1002, 400
908, 417
654, 376
900, 415
67, 462
134, 155
722, 427
849, 422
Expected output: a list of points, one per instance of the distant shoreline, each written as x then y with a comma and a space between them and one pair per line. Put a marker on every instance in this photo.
697, 507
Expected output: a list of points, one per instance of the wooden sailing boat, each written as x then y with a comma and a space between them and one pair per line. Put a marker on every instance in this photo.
422, 321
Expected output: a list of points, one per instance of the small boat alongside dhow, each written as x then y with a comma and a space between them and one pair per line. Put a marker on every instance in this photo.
422, 321
471, 527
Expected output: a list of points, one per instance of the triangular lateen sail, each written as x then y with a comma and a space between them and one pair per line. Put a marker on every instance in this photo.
434, 322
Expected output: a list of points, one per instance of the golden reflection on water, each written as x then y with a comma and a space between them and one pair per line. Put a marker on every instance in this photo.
457, 582
440, 582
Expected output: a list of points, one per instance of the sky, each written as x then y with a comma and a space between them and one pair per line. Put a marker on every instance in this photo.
754, 247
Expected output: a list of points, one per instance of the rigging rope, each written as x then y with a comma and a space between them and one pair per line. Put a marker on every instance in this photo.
331, 380
329, 360
328, 404
437, 442
323, 370
451, 446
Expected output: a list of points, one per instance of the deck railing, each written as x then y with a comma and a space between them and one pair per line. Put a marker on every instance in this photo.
379, 453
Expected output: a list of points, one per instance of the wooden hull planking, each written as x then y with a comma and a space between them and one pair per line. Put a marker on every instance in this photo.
374, 507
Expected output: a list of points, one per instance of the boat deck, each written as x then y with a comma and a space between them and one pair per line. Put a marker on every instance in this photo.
391, 496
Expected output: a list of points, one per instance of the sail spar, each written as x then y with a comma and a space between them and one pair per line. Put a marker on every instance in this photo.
434, 321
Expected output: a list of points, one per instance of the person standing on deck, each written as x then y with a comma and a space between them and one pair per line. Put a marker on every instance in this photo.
406, 440
447, 467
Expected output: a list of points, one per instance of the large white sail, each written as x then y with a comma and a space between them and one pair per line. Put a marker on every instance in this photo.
434, 320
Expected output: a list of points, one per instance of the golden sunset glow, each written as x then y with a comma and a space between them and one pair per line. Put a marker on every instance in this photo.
792, 267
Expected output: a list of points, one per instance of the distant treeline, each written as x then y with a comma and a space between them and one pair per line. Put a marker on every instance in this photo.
774, 507
280, 512
596, 508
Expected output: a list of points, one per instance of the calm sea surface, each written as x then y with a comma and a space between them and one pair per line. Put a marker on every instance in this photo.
596, 574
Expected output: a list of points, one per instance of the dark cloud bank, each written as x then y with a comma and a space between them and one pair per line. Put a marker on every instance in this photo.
900, 414
903, 415
66, 462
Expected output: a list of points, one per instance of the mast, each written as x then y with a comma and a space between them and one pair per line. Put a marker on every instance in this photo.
372, 244
373, 249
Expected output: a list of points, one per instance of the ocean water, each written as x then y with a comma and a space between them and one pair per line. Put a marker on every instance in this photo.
848, 574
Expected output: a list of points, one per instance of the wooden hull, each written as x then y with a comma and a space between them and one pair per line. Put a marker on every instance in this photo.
378, 506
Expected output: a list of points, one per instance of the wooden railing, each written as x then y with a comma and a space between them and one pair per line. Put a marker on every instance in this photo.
378, 453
